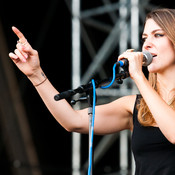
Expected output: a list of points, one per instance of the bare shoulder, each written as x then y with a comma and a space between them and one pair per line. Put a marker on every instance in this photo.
126, 102
123, 108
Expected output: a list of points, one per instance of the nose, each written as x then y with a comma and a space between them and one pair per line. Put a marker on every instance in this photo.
147, 44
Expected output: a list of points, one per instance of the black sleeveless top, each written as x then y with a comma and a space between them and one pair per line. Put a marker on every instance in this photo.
153, 153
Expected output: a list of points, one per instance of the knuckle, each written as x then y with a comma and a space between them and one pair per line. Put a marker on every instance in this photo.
35, 52
16, 50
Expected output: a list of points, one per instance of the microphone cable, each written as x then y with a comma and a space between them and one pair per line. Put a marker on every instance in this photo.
92, 127
93, 114
113, 78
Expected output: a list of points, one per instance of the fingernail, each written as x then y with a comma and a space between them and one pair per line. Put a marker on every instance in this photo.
16, 57
26, 56
24, 60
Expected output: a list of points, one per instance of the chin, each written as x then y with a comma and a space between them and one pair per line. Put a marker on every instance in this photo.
152, 69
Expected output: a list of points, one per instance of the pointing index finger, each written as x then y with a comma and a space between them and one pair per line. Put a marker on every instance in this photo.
19, 34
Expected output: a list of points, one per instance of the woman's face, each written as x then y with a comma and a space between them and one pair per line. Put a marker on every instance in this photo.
158, 44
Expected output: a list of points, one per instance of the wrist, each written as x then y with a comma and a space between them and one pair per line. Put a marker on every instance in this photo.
140, 80
138, 77
38, 77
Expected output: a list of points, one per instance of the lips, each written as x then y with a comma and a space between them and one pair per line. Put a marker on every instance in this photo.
154, 55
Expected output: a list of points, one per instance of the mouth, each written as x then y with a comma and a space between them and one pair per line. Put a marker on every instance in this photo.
154, 55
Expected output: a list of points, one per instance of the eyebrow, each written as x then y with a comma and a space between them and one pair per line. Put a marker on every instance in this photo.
154, 31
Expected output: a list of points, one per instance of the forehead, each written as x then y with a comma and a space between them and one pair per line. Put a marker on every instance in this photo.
151, 26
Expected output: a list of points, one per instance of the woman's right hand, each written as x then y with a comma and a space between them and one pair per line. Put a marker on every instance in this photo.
24, 56
135, 62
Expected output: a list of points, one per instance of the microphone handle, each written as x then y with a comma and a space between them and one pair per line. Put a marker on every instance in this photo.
64, 94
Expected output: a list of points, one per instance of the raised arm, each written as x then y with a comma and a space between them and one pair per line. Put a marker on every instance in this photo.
110, 118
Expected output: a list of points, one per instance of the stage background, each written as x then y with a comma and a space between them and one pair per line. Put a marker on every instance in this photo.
47, 26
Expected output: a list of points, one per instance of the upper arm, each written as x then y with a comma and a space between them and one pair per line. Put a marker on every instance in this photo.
112, 117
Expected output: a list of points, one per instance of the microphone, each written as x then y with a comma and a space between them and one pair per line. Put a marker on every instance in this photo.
147, 59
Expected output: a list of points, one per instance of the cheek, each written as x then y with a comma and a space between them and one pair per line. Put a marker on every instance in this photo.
170, 57
168, 52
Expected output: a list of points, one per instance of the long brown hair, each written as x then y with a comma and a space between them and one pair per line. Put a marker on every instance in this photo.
165, 18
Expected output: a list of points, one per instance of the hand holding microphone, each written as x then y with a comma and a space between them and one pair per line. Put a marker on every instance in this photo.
134, 60
147, 58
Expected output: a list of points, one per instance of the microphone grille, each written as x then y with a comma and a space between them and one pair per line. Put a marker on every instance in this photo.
147, 58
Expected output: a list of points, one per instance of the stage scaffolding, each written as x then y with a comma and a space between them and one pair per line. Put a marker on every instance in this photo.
127, 18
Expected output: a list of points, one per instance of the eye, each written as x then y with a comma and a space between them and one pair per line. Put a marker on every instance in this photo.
158, 35
143, 39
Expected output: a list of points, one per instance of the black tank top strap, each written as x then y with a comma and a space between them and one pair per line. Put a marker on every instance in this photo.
135, 111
